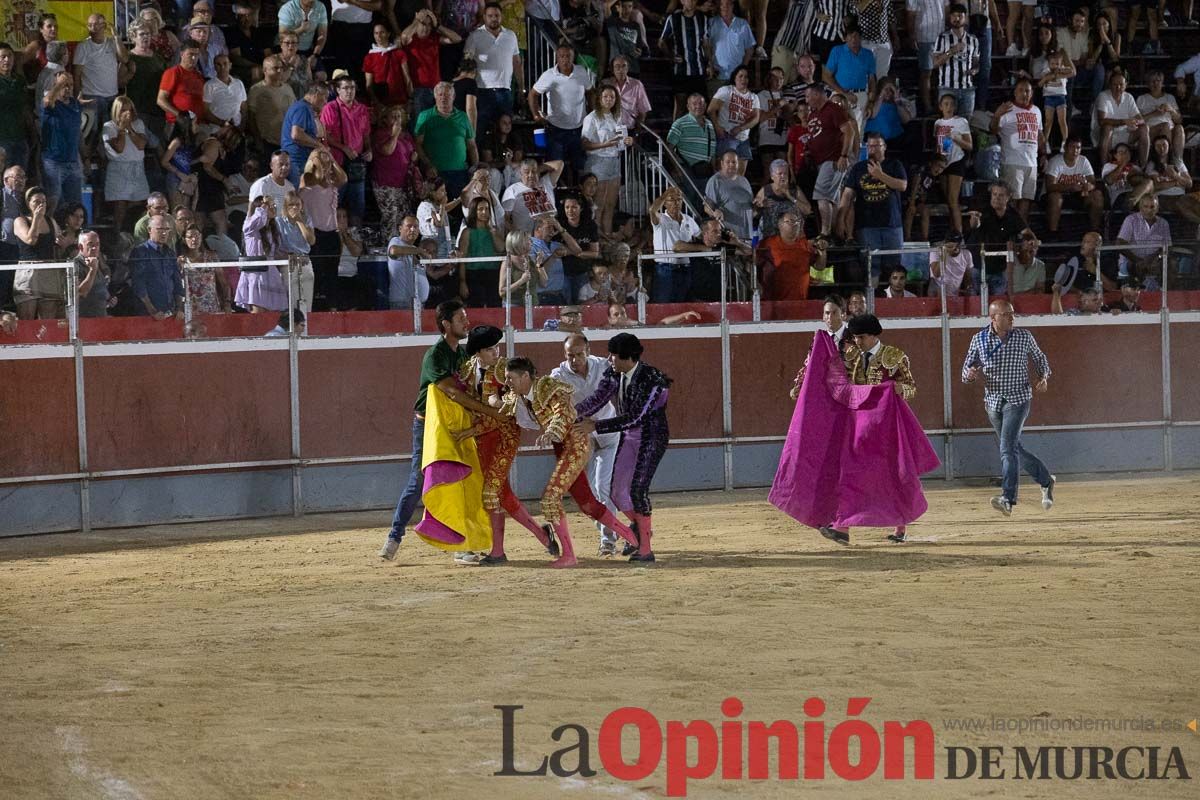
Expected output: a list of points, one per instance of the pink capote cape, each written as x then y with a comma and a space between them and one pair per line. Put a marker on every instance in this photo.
853, 453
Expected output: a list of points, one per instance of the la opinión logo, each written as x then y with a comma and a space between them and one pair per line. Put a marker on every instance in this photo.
741, 749
747, 749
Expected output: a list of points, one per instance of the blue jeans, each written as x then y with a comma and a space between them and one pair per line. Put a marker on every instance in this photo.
491, 103
671, 284
412, 492
965, 98
565, 144
881, 239
1008, 422
353, 198
984, 76
63, 181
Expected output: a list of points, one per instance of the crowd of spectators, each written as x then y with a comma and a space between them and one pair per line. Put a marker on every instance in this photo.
318, 131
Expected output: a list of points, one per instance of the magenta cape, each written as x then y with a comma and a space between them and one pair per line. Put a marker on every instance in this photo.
853, 453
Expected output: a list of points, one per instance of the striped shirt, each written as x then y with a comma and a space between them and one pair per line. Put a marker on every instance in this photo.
930, 18
956, 72
695, 141
792, 28
831, 29
1005, 364
686, 35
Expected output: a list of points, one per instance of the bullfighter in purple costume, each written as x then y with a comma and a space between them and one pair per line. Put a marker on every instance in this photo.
639, 392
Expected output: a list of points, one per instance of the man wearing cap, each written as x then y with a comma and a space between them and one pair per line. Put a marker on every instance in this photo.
497, 441
584, 372
1000, 354
871, 362
570, 320
440, 367
950, 265
548, 404
639, 393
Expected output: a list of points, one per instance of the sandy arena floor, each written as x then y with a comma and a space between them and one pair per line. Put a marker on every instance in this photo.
281, 659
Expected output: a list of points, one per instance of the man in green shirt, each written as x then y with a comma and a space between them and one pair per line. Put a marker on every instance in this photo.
446, 140
695, 140
17, 120
439, 366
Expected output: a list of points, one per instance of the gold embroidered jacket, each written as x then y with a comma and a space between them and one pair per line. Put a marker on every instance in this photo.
889, 362
553, 406
493, 378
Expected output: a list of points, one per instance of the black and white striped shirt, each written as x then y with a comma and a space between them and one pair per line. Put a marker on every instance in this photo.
956, 72
686, 35
793, 24
831, 29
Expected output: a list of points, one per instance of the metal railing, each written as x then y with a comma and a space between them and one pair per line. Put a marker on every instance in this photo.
727, 439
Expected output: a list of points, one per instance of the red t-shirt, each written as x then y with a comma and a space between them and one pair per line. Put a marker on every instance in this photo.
825, 133
386, 69
797, 139
423, 64
789, 280
185, 90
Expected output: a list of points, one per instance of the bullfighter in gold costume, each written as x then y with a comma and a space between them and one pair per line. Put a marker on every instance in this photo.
550, 403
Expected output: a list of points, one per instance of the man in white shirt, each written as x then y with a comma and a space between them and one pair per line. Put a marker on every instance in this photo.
1070, 179
498, 61
1022, 140
532, 198
99, 61
224, 96
565, 87
584, 372
1160, 110
1116, 119
671, 224
274, 184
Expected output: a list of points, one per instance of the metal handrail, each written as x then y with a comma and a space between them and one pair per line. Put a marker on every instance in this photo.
665, 149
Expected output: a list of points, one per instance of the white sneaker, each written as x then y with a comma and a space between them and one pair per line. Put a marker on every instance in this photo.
760, 54
390, 547
1013, 51
1002, 504
468, 559
1048, 494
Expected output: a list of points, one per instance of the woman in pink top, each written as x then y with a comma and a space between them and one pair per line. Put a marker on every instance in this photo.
319, 192
394, 170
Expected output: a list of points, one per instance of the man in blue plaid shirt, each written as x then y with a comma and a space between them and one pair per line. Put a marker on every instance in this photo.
1000, 354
